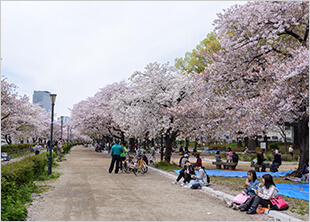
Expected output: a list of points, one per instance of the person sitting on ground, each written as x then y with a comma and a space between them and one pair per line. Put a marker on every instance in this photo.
261, 159
37, 148
185, 173
218, 157
263, 195
304, 172
251, 184
276, 161
183, 159
198, 161
200, 180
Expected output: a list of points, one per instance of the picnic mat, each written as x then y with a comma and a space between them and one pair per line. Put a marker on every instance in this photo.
224, 173
299, 191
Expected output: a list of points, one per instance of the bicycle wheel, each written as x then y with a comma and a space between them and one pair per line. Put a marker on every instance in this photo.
143, 167
127, 165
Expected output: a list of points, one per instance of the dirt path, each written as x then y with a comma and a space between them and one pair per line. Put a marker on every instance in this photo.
87, 192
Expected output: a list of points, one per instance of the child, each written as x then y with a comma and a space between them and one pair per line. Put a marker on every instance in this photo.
263, 195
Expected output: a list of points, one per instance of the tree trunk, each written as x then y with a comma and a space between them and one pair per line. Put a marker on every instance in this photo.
303, 140
296, 136
162, 148
122, 137
186, 143
246, 142
169, 139
251, 145
132, 144
239, 142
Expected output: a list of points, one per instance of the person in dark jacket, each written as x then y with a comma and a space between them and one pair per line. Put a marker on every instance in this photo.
185, 173
276, 161
260, 160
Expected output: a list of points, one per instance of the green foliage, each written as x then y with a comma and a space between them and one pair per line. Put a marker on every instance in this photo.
17, 185
196, 61
274, 146
15, 149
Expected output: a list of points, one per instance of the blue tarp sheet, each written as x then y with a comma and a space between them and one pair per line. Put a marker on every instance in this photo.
209, 151
299, 191
224, 173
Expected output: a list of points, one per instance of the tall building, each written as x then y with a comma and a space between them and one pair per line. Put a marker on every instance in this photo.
43, 99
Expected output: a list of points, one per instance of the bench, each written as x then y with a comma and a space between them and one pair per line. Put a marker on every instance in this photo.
256, 166
231, 166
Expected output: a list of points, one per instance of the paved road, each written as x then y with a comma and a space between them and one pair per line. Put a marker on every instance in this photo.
87, 192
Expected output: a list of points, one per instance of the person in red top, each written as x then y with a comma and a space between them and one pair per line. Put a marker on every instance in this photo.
199, 162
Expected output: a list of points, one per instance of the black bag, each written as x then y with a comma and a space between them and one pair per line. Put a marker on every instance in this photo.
208, 178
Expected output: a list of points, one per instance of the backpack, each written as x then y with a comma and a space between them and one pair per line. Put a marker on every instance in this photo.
235, 158
208, 178
278, 203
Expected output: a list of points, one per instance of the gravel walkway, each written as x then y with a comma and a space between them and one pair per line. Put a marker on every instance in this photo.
87, 192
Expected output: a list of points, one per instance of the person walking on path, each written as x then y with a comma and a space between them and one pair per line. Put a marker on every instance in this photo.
276, 161
116, 151
291, 150
37, 148
59, 150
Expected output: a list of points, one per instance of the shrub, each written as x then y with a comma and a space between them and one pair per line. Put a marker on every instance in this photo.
17, 184
274, 146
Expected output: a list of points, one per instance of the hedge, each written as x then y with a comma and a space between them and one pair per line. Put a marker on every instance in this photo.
17, 185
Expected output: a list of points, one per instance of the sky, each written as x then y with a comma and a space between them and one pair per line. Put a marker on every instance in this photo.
74, 48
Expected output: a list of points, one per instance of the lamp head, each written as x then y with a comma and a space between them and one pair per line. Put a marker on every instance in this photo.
53, 98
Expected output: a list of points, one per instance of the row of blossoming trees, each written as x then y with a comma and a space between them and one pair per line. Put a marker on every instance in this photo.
24, 122
255, 77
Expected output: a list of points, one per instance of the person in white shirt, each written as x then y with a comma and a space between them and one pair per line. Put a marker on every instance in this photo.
291, 150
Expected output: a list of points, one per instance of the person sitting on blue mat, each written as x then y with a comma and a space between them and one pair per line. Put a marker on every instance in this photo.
276, 161
185, 173
251, 184
304, 173
200, 180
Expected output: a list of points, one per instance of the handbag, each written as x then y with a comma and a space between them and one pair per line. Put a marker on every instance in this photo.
278, 203
241, 198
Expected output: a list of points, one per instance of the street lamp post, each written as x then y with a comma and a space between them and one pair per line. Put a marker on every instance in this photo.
61, 122
50, 160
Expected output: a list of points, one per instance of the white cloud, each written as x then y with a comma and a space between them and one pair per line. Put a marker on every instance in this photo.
74, 48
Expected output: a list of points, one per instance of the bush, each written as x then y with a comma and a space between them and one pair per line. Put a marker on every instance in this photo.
17, 185
274, 146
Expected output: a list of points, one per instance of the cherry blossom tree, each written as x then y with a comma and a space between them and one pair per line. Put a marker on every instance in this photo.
94, 116
261, 73
20, 120
142, 110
